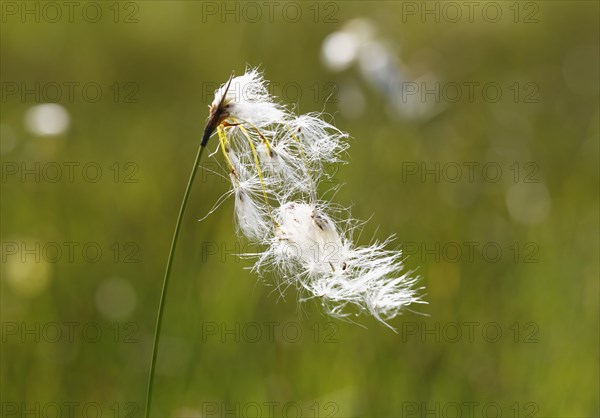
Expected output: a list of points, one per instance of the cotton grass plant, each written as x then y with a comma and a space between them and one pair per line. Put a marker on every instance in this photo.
275, 161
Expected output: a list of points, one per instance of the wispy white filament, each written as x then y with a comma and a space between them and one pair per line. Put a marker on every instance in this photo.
248, 99
276, 160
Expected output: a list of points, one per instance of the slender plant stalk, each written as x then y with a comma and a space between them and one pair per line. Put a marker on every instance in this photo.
163, 295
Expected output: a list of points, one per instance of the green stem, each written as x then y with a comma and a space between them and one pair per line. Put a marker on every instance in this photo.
161, 306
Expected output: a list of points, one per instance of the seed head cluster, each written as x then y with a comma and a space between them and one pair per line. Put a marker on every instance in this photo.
276, 161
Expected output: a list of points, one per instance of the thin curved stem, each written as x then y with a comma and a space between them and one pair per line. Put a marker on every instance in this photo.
163, 294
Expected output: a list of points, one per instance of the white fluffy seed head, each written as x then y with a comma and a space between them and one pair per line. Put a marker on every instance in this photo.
250, 215
248, 99
321, 141
278, 159
311, 250
308, 236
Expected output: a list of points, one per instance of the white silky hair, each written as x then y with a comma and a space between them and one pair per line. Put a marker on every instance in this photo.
278, 159
248, 98
250, 215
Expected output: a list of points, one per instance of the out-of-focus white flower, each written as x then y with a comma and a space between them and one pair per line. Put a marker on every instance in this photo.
276, 160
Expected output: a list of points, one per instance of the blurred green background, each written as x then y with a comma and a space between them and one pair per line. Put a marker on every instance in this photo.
508, 252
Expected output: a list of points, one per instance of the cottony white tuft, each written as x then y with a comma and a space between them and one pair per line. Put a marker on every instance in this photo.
248, 99
276, 160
